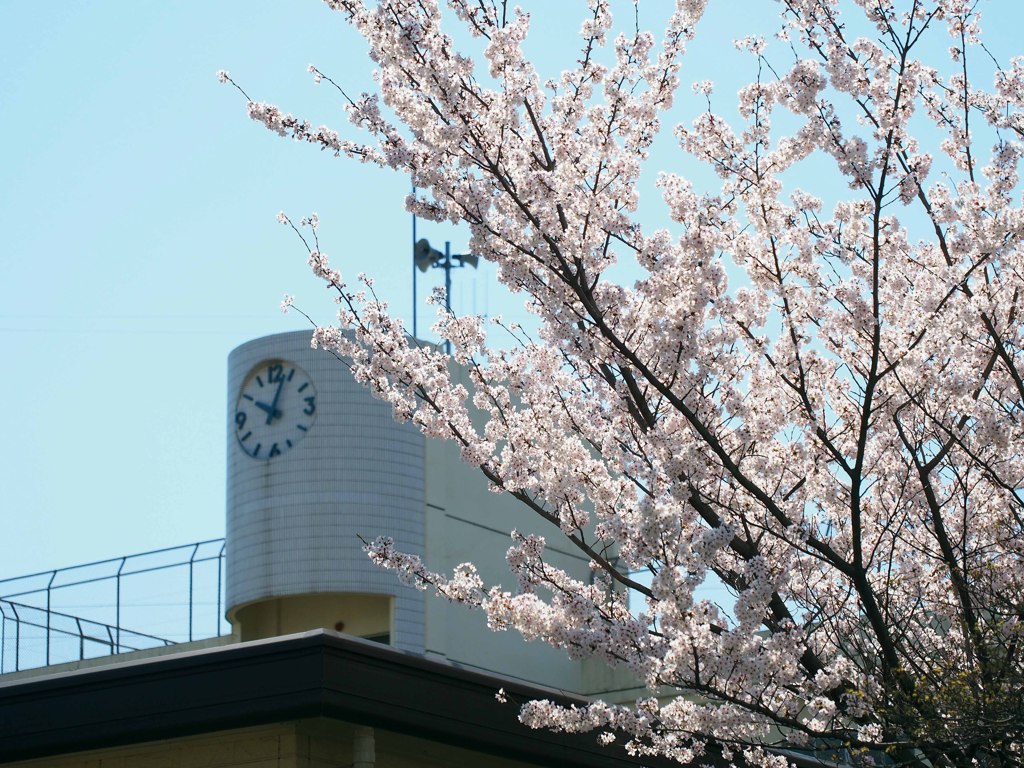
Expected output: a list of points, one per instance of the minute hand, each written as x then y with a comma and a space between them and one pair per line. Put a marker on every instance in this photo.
272, 411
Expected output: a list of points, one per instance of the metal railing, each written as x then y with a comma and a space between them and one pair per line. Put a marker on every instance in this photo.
92, 638
175, 594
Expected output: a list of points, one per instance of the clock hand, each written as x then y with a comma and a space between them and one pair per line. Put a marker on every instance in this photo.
267, 409
273, 405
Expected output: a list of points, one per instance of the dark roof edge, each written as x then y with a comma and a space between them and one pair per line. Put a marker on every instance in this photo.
315, 674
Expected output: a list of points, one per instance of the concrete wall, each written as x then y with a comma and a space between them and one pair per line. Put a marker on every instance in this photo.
467, 522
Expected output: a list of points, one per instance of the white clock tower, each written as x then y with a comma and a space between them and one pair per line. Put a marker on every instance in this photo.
315, 464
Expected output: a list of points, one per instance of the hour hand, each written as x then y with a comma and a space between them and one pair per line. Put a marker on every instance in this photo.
271, 411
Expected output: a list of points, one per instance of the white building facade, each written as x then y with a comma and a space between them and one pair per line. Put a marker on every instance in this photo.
333, 469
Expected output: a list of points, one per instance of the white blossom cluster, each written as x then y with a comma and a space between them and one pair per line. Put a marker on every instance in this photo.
812, 396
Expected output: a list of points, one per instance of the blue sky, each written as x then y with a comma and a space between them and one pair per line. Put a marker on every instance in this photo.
139, 245
137, 206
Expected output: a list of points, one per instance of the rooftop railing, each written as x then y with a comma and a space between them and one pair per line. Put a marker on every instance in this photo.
147, 600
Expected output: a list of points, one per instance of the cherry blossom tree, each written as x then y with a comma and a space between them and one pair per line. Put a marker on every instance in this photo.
810, 395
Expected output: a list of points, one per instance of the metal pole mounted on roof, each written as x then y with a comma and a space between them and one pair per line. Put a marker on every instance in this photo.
414, 330
117, 605
425, 257
49, 585
191, 591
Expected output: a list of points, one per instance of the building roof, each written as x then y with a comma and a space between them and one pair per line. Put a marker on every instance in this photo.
315, 674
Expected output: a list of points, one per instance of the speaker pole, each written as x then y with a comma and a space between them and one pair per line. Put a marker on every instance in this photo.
448, 286
414, 333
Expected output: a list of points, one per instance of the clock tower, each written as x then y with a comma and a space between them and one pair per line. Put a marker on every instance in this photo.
316, 465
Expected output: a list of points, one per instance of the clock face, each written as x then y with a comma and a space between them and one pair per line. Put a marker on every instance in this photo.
276, 408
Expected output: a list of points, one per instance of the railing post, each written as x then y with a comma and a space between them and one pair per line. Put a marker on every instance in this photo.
49, 586
191, 574
3, 637
117, 605
17, 638
220, 565
81, 639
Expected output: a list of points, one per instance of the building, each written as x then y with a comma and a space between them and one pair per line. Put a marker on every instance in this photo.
316, 700
331, 661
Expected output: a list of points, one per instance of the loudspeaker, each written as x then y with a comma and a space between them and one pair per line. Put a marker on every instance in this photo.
423, 255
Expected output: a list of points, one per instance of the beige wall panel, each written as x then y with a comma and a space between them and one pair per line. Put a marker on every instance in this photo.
272, 746
361, 615
319, 743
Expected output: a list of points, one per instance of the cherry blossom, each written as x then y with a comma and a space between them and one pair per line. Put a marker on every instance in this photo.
811, 396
